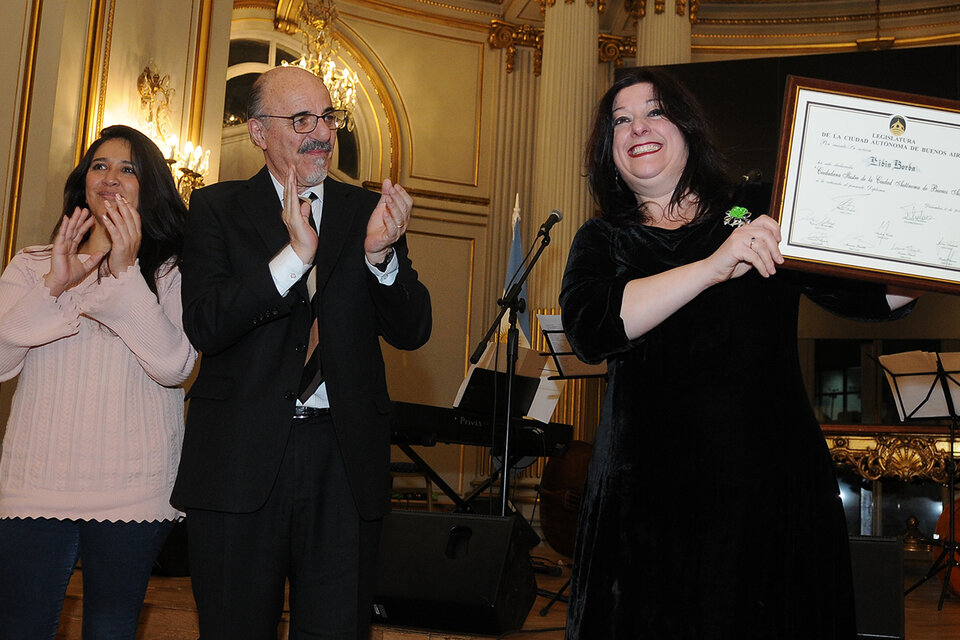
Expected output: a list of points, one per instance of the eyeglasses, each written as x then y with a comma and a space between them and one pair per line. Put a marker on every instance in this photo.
307, 122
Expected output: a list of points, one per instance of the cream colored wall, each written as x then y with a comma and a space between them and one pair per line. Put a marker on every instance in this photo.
936, 316
438, 82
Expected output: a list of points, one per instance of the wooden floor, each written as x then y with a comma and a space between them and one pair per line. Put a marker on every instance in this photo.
169, 612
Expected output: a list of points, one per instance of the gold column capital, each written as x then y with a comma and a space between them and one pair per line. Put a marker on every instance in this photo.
503, 35
615, 48
638, 8
546, 4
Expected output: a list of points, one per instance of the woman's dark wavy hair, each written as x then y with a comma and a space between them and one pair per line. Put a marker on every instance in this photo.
705, 175
162, 212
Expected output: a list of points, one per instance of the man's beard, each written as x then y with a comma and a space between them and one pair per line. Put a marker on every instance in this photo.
320, 174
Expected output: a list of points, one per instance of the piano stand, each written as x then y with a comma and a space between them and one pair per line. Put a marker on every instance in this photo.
434, 476
461, 505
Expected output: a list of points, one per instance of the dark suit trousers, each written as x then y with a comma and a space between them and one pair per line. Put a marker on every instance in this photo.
309, 531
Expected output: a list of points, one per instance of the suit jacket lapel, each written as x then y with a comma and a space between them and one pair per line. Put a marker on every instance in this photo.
339, 211
263, 208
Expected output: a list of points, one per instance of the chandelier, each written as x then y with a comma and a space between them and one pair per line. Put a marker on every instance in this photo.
315, 23
188, 164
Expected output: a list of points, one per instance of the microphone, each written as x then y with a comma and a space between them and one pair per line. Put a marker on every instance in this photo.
554, 217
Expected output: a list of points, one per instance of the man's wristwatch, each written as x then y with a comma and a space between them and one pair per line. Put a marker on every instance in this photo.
382, 266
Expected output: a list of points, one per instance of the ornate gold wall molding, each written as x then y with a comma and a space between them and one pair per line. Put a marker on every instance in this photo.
23, 129
93, 93
434, 195
907, 455
201, 55
615, 48
255, 4
546, 4
895, 14
503, 35
638, 8
285, 18
470, 24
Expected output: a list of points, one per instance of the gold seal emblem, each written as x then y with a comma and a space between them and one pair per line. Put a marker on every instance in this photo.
898, 125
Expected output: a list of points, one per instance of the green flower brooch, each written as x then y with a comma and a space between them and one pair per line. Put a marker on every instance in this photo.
737, 217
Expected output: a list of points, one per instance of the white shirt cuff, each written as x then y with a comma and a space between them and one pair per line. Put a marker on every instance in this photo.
286, 268
389, 276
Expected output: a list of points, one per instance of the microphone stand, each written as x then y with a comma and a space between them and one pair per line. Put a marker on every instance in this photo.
515, 304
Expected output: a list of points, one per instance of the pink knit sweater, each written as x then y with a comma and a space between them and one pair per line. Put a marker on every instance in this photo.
97, 419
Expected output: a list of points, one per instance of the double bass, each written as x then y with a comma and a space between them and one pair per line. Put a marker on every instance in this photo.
561, 490
943, 534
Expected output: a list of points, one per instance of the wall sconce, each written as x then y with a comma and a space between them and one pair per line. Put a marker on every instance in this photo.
189, 164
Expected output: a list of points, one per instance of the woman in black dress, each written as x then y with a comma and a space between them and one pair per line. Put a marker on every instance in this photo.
711, 509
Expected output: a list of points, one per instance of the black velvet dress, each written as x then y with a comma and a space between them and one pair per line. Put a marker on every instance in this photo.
711, 508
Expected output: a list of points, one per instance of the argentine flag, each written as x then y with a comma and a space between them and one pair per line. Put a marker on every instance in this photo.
514, 270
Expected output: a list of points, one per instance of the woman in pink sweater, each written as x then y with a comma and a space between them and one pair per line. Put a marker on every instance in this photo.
92, 326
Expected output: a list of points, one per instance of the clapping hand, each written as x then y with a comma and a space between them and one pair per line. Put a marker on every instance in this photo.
66, 267
296, 216
122, 224
388, 221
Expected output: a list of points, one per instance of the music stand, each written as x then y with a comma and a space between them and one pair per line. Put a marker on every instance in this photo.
922, 388
569, 367
535, 396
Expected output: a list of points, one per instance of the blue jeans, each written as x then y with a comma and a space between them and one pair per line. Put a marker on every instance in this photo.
38, 555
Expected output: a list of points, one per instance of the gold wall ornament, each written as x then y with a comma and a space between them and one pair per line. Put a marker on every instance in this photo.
637, 9
188, 164
615, 48
546, 4
504, 35
285, 16
905, 457
155, 94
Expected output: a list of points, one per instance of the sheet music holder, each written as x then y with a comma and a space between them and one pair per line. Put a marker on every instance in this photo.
916, 388
484, 386
535, 386
568, 365
927, 385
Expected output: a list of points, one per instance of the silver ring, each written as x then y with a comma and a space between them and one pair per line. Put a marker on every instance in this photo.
752, 240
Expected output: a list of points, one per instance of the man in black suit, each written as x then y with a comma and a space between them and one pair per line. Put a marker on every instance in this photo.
282, 479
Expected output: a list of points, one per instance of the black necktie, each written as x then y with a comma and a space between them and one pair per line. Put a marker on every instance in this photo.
312, 375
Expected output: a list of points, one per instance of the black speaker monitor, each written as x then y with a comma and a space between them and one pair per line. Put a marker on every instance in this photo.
454, 572
878, 587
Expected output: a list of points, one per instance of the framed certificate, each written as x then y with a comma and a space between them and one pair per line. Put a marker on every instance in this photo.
868, 184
